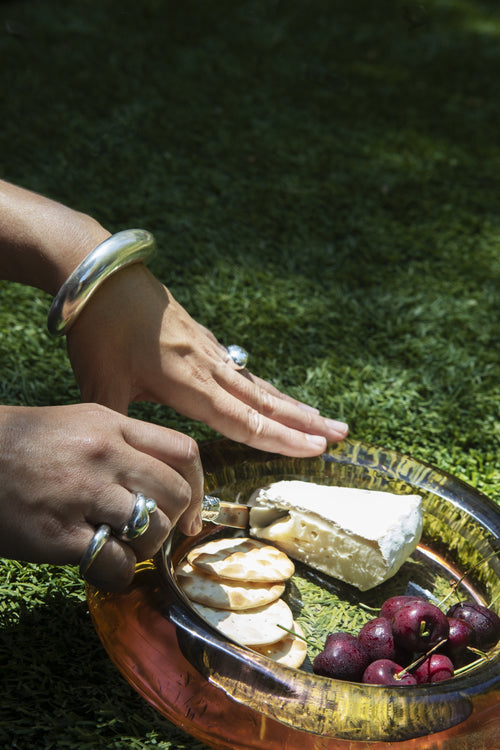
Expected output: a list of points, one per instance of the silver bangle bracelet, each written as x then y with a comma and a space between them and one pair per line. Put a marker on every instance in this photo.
119, 250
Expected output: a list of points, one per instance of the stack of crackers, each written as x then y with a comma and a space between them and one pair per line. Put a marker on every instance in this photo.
236, 584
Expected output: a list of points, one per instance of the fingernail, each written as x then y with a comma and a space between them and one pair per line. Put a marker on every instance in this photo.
317, 441
196, 526
339, 427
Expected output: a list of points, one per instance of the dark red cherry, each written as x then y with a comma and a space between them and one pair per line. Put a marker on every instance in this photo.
387, 672
419, 625
343, 658
435, 668
461, 636
377, 638
391, 605
483, 621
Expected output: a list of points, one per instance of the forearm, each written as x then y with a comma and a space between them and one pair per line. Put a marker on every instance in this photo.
132, 341
41, 240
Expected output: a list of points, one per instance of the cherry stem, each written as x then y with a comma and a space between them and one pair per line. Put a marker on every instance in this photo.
424, 630
420, 659
297, 635
473, 664
457, 583
477, 651
468, 667
497, 597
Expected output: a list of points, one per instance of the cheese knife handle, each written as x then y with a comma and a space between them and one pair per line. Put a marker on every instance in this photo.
210, 508
225, 514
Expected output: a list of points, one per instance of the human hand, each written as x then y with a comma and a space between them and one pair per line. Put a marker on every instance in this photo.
68, 469
134, 342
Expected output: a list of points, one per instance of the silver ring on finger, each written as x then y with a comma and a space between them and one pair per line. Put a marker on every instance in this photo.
138, 522
97, 542
238, 355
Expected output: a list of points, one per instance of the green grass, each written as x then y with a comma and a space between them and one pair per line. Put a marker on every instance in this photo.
323, 181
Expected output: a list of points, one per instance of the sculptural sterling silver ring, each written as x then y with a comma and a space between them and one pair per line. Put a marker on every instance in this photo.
97, 542
238, 355
138, 522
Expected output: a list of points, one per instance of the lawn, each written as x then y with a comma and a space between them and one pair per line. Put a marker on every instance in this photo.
323, 181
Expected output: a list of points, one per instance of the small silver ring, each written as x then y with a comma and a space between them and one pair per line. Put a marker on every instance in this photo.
238, 355
97, 542
138, 522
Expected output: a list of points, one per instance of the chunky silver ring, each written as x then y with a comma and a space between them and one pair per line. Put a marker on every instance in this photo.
138, 522
238, 355
97, 542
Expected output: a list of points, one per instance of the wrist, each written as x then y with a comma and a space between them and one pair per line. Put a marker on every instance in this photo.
116, 252
41, 240
79, 235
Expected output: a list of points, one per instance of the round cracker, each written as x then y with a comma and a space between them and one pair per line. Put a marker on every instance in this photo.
242, 559
250, 627
290, 651
222, 593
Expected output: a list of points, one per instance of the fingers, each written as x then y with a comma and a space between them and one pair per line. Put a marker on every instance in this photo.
112, 566
263, 396
333, 429
152, 523
161, 464
265, 385
67, 470
253, 412
171, 472
184, 367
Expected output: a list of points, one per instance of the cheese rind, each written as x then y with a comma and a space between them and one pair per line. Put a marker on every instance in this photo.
359, 536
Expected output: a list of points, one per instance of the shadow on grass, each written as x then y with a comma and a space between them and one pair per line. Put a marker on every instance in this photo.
57, 681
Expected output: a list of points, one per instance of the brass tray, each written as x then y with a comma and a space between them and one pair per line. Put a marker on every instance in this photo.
234, 699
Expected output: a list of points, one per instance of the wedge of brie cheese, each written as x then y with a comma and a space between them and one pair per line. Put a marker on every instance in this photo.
359, 536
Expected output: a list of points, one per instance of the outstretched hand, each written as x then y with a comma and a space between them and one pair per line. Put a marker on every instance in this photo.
134, 342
